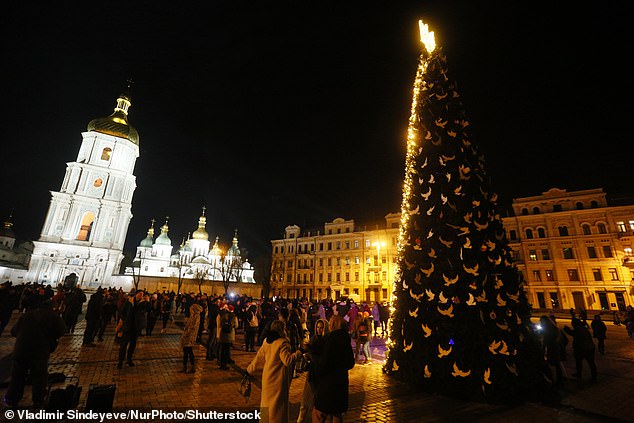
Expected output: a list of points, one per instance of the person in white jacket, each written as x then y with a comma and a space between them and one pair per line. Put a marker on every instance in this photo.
276, 359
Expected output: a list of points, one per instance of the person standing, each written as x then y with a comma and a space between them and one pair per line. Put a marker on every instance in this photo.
331, 374
226, 323
188, 339
131, 315
552, 346
277, 361
37, 332
153, 313
385, 316
72, 309
582, 347
94, 314
376, 317
314, 349
251, 325
599, 331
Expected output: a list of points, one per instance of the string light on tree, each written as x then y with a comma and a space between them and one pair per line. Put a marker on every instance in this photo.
456, 292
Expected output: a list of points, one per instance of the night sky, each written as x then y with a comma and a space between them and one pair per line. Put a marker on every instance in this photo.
281, 113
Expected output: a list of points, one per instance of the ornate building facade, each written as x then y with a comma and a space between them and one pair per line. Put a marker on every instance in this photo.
14, 256
87, 220
194, 259
340, 260
573, 249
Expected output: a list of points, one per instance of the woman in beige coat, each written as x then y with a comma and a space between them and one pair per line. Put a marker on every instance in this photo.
188, 339
277, 360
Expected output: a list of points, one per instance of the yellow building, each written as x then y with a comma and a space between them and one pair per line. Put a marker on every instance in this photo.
342, 260
573, 249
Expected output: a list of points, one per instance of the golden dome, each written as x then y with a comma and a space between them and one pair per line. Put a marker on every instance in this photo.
201, 233
117, 123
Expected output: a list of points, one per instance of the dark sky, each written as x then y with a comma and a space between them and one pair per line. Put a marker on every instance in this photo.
276, 113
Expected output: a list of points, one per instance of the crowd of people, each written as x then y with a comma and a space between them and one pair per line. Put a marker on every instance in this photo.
288, 337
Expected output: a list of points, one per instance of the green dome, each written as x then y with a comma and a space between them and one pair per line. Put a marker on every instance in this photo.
147, 242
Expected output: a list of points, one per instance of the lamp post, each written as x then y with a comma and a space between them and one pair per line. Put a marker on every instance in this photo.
378, 245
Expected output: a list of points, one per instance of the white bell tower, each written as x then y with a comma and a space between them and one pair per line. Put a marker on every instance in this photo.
87, 220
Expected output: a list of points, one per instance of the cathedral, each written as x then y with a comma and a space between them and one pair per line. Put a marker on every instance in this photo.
196, 258
84, 232
87, 220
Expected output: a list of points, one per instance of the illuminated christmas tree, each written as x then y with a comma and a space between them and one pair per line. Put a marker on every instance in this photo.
459, 306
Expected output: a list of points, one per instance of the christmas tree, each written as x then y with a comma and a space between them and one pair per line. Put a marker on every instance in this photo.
459, 304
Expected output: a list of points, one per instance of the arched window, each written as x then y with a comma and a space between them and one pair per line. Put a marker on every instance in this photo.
86, 227
579, 206
586, 229
563, 230
536, 210
541, 233
602, 229
594, 204
106, 153
529, 233
524, 211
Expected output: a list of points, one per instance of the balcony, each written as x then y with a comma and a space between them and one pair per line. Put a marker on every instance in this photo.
629, 262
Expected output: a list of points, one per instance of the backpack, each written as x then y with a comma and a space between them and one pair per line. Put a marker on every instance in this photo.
225, 324
253, 321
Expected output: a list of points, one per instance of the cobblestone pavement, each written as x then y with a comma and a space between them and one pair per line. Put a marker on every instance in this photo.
156, 383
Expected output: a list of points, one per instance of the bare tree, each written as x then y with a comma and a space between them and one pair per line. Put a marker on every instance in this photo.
230, 269
200, 276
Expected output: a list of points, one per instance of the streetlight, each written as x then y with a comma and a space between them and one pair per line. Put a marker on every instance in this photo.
378, 246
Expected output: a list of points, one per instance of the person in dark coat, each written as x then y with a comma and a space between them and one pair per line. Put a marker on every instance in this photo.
582, 346
37, 333
132, 315
598, 331
552, 346
94, 314
331, 373
74, 303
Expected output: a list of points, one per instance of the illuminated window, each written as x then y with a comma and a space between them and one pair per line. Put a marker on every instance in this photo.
631, 223
106, 153
356, 243
627, 251
98, 182
86, 227
614, 276
367, 243
532, 255
357, 260
620, 226
550, 276
573, 275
